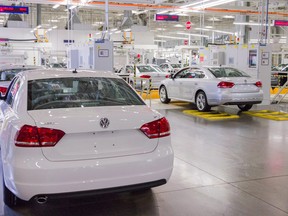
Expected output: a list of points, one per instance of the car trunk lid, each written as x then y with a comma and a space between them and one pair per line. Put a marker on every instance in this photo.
243, 84
85, 138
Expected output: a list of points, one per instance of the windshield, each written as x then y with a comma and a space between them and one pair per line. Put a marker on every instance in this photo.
146, 68
73, 92
176, 65
227, 72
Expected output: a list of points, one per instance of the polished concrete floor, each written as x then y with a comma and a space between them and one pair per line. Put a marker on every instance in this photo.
231, 168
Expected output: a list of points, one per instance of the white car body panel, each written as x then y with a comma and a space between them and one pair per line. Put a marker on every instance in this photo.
186, 89
87, 157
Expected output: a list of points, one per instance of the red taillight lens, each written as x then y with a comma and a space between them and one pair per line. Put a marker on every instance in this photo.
167, 76
224, 84
3, 90
258, 84
145, 76
156, 129
31, 136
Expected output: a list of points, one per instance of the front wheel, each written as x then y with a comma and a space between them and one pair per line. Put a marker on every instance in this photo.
245, 107
163, 95
201, 102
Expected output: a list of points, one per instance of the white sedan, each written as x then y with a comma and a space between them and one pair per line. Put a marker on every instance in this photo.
145, 72
79, 132
212, 86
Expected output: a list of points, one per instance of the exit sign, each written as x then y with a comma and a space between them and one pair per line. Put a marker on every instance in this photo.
166, 17
280, 22
14, 9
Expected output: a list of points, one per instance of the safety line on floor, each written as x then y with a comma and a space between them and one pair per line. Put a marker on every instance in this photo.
154, 95
212, 116
268, 114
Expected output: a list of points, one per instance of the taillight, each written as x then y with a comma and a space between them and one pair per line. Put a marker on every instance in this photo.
167, 76
259, 84
224, 84
31, 136
3, 90
156, 129
145, 76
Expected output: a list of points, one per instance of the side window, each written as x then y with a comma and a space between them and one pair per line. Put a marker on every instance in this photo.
13, 91
129, 69
199, 74
182, 74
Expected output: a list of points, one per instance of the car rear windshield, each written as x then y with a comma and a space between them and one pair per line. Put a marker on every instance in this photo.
227, 72
71, 92
144, 69
176, 65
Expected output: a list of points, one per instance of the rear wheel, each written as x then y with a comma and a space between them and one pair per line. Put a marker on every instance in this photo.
245, 107
163, 95
9, 198
201, 102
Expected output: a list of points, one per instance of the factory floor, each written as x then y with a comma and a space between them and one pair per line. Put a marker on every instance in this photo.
228, 167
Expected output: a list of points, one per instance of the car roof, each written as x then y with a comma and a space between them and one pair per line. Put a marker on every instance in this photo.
62, 73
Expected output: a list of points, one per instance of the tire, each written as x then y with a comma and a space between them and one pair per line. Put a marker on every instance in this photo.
9, 198
163, 95
245, 107
201, 102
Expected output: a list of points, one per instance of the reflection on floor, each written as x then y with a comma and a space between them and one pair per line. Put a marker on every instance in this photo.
232, 167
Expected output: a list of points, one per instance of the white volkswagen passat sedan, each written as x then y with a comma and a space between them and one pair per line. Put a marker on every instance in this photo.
66, 133
212, 86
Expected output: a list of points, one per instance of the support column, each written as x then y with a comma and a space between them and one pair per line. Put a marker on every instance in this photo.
38, 18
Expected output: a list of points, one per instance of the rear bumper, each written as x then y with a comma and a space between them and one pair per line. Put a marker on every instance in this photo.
28, 176
228, 98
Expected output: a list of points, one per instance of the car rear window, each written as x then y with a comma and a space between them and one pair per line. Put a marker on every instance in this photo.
227, 72
72, 92
143, 69
176, 65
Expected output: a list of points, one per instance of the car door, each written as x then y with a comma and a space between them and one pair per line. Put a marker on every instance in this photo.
175, 88
194, 79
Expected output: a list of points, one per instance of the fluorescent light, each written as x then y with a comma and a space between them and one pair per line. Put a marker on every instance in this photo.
72, 7
209, 27
31, 31
195, 35
247, 23
193, 4
116, 32
160, 41
228, 17
162, 12
39, 26
218, 31
54, 27
179, 26
127, 30
171, 37
213, 4
161, 29
49, 29
53, 21
56, 6
114, 29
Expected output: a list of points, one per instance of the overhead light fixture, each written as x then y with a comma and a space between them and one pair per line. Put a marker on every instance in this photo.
228, 17
195, 35
56, 6
39, 26
49, 29
114, 29
172, 37
117, 32
162, 41
195, 3
53, 21
212, 4
179, 26
162, 12
161, 29
248, 23
54, 27
212, 30
127, 30
209, 27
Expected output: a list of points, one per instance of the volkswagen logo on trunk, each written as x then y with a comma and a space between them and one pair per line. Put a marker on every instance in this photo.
104, 122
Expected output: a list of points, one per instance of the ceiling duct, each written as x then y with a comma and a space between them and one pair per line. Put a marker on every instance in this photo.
127, 20
15, 21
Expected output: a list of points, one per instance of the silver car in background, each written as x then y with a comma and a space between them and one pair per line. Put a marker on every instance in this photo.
212, 86
170, 67
144, 72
